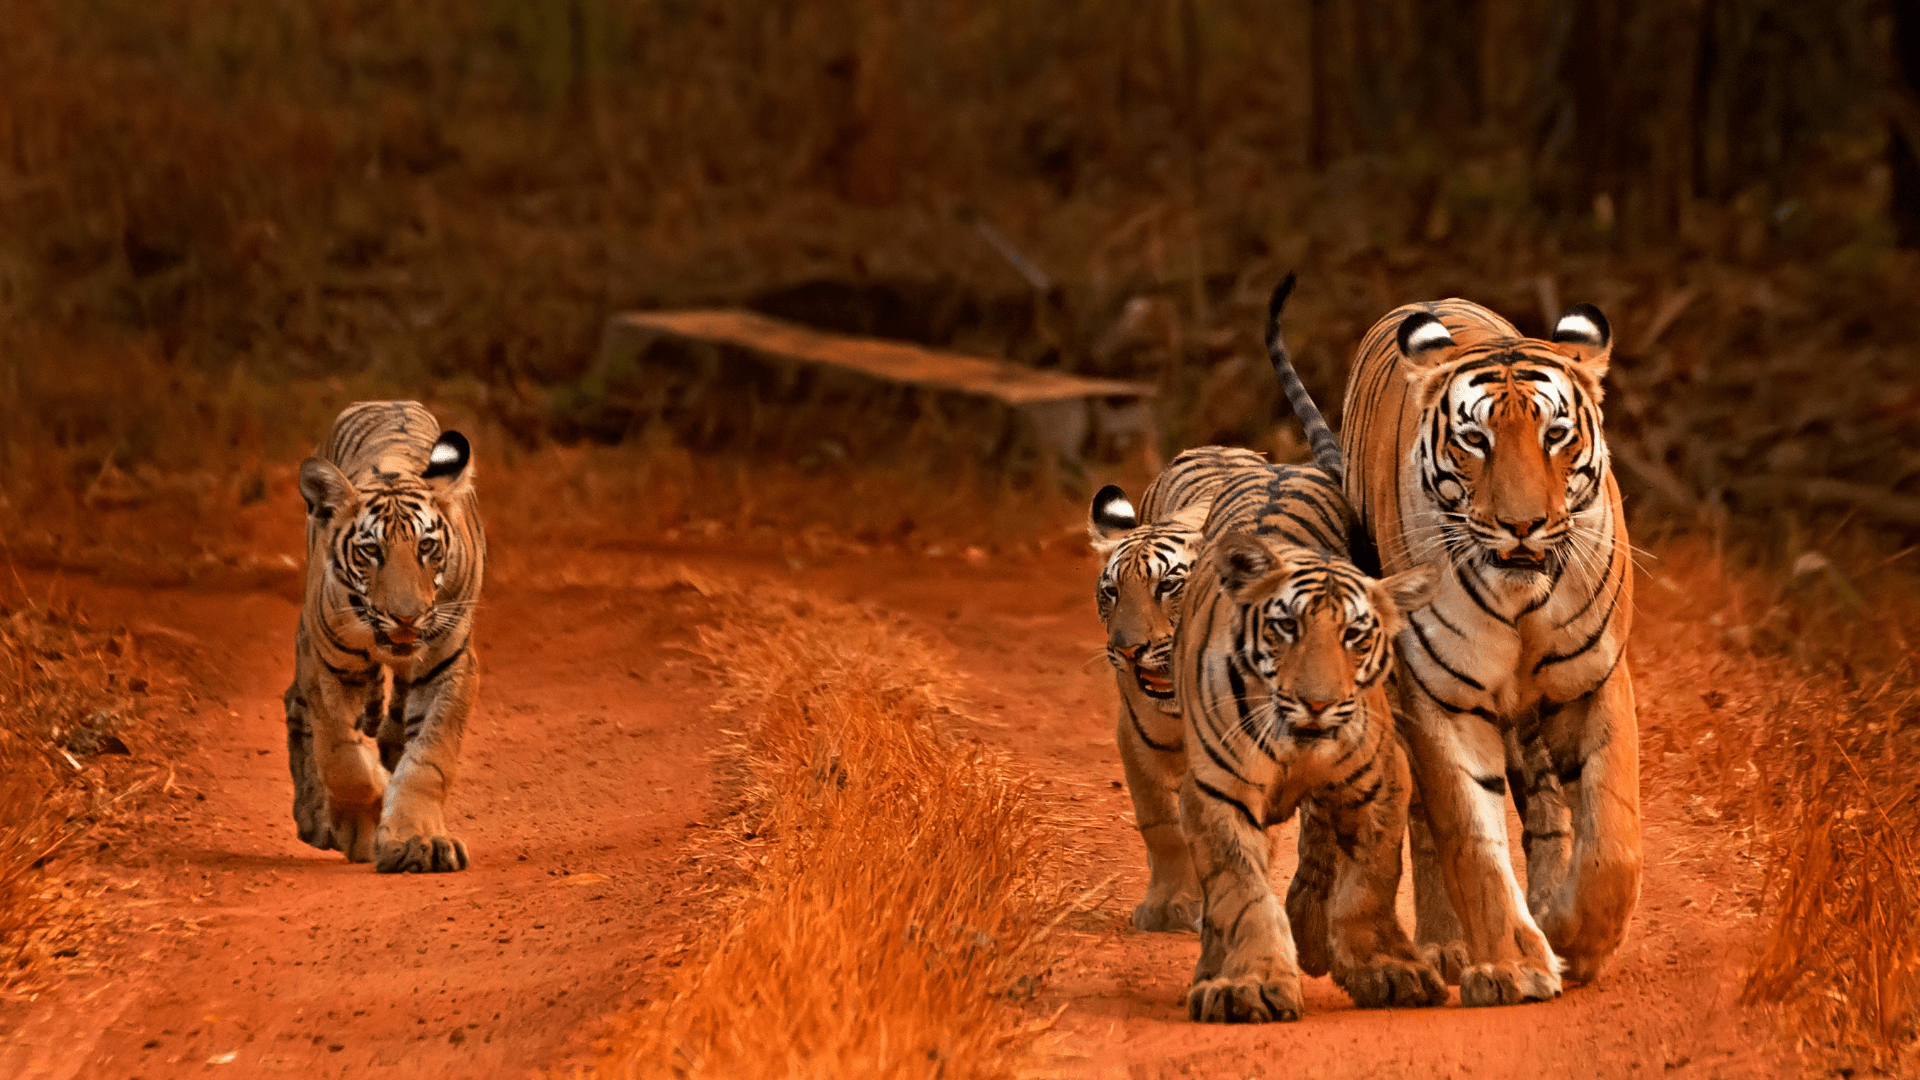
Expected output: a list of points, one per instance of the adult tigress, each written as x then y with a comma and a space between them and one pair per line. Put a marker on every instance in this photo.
395, 554
1473, 446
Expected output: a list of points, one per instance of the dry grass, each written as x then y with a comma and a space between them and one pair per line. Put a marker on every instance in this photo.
894, 901
1788, 705
73, 698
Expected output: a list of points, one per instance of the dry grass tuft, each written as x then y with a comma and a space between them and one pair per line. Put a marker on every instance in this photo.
71, 700
894, 901
1844, 943
1789, 706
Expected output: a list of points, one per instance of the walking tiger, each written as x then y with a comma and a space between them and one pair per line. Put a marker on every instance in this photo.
384, 648
1480, 450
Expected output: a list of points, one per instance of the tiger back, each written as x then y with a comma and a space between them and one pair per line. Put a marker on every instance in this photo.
1474, 447
383, 650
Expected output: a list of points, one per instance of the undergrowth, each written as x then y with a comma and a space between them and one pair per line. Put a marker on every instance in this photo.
1797, 746
892, 904
73, 698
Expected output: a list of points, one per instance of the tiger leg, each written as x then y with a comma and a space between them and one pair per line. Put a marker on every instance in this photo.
1154, 767
1589, 883
338, 782
309, 791
1308, 892
1436, 928
1372, 958
413, 826
1460, 763
389, 726
1248, 971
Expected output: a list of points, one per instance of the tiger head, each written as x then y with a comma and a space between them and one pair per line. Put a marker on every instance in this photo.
1510, 449
1311, 628
1146, 567
387, 545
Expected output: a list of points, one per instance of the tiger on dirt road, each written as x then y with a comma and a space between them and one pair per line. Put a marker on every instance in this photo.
384, 647
1471, 446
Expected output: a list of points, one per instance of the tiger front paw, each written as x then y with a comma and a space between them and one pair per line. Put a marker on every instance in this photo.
310, 819
1388, 982
352, 831
1170, 915
1246, 999
421, 855
1448, 958
1509, 982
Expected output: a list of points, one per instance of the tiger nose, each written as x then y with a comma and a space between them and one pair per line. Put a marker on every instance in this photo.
1315, 707
1522, 529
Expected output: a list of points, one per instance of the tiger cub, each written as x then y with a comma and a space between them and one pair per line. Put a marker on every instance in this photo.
384, 650
1146, 564
1281, 660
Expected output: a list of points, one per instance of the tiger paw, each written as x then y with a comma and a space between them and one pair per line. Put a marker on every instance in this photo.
1388, 982
1246, 1000
1509, 982
421, 855
310, 822
353, 829
1449, 959
1181, 913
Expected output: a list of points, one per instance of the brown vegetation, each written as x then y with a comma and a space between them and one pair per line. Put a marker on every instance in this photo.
75, 746
1796, 725
895, 900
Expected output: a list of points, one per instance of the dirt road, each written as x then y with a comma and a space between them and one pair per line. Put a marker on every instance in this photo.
235, 950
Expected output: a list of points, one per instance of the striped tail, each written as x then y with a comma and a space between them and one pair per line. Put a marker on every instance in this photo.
1326, 448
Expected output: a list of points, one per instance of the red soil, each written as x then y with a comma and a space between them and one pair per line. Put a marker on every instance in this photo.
224, 940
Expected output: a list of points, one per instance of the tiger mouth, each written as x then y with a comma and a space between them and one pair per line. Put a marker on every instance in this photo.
1518, 559
397, 645
1156, 683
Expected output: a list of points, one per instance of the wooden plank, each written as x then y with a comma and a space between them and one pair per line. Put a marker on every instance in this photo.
893, 361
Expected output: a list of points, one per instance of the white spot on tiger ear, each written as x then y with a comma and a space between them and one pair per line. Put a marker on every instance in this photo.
1427, 336
1122, 508
1574, 326
444, 454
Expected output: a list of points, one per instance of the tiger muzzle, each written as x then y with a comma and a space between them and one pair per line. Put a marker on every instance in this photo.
1148, 666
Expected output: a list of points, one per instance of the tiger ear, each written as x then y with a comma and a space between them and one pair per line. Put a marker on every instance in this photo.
1413, 589
1110, 518
327, 490
1583, 336
447, 462
1402, 594
1423, 339
1243, 560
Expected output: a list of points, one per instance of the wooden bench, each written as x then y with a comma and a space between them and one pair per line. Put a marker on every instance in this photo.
1064, 413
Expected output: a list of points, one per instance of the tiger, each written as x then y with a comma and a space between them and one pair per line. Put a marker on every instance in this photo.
384, 645
1473, 446
1283, 651
1144, 569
